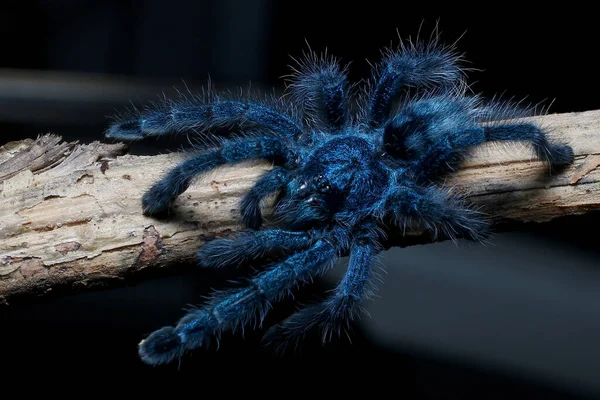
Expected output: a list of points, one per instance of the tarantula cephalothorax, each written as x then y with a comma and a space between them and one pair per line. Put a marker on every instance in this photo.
343, 180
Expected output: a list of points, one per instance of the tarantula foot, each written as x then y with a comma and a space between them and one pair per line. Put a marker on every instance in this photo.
561, 155
153, 207
161, 347
157, 200
127, 130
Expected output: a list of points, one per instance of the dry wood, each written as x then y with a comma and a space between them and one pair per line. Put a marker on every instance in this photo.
70, 214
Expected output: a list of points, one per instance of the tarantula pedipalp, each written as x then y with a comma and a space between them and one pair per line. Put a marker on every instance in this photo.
342, 181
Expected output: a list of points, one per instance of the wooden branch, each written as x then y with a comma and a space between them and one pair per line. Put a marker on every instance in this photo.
70, 214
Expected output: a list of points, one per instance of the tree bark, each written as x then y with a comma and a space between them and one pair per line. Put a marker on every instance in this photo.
71, 218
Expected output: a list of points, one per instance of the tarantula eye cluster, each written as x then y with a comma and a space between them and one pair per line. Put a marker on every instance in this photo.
322, 184
363, 195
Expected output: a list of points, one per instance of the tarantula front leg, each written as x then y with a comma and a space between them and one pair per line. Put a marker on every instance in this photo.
322, 87
341, 307
274, 180
186, 117
417, 66
160, 196
235, 308
448, 151
247, 246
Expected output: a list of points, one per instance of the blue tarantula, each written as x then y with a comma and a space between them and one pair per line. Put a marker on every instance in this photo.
343, 180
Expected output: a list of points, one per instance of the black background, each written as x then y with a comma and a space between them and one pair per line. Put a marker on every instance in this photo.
545, 54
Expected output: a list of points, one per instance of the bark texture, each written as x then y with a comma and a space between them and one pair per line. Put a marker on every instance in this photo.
70, 214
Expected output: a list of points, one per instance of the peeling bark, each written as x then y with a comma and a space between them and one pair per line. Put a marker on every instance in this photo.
70, 214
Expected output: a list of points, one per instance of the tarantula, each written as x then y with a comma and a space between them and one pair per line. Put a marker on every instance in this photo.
342, 180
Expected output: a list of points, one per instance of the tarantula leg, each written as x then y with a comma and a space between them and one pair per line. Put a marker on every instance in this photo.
447, 153
322, 87
185, 117
435, 210
420, 65
274, 180
236, 307
159, 197
553, 153
339, 309
251, 245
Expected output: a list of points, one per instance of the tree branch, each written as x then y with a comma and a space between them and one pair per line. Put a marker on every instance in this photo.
70, 214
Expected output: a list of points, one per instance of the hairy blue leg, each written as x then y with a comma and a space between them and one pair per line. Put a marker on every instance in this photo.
448, 151
337, 310
554, 154
445, 154
322, 87
183, 118
436, 210
414, 130
247, 246
417, 66
159, 197
237, 307
274, 180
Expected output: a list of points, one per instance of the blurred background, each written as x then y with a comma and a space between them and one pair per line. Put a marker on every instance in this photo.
517, 319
